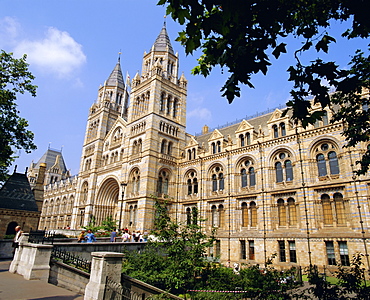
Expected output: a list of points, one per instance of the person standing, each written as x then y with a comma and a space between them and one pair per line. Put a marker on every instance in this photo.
17, 237
125, 237
81, 237
90, 237
113, 235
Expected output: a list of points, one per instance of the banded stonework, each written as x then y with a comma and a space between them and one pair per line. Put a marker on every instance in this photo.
267, 185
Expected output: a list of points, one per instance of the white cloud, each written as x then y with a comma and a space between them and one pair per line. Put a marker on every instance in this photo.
9, 29
58, 53
203, 114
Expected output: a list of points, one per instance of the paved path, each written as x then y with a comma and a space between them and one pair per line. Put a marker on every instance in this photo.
15, 287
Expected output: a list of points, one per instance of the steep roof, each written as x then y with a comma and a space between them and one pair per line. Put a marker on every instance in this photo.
16, 194
163, 41
116, 77
50, 157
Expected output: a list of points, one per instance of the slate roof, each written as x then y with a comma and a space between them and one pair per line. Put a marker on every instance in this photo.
163, 41
230, 130
49, 158
16, 194
116, 77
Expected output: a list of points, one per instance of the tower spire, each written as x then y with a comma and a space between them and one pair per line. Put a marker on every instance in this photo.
163, 41
116, 77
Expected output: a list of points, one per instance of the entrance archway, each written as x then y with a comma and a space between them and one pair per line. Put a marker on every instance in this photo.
107, 201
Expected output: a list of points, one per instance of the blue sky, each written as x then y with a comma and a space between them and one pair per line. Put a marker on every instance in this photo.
73, 46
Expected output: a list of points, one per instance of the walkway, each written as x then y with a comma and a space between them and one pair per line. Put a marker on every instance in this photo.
15, 287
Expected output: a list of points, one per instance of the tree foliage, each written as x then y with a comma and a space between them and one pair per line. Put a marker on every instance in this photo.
14, 78
242, 37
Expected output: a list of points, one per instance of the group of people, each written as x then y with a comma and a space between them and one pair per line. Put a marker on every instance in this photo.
88, 237
127, 236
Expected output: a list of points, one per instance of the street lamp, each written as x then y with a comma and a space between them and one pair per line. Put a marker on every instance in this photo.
123, 188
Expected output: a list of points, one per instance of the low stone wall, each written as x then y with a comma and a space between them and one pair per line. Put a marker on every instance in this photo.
83, 250
6, 249
68, 277
140, 287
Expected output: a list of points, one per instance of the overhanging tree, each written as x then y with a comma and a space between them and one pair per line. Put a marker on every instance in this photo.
14, 78
242, 36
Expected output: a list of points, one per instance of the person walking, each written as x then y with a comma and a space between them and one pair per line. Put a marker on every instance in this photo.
90, 237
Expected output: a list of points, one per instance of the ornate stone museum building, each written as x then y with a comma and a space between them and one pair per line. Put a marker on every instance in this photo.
267, 185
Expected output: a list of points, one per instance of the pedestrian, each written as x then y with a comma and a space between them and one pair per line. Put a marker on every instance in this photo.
90, 237
113, 235
125, 237
17, 237
145, 236
81, 237
137, 236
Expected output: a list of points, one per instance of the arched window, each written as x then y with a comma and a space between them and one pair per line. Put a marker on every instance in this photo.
244, 214
321, 164
252, 177
214, 216
247, 174
195, 186
175, 107
327, 210
214, 183
283, 166
253, 209
190, 187
217, 178
282, 129
333, 163
279, 172
218, 146
139, 146
242, 142
163, 146
221, 182
339, 208
213, 148
194, 153
84, 193
275, 130
327, 159
288, 170
189, 154
244, 178
135, 181
292, 212
169, 148
161, 103
248, 137
169, 101
221, 213
281, 212
188, 216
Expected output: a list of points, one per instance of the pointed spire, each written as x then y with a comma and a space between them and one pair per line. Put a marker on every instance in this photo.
163, 41
116, 77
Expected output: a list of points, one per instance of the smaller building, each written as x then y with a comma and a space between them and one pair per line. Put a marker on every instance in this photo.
17, 205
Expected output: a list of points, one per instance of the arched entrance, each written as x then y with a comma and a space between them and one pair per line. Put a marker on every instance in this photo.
107, 201
11, 228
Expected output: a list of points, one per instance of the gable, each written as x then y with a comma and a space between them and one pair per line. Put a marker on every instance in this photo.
216, 135
244, 126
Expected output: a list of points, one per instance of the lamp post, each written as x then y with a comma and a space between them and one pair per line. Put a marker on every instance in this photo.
123, 188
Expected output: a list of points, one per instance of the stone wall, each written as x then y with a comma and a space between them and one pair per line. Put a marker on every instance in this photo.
68, 277
83, 250
6, 250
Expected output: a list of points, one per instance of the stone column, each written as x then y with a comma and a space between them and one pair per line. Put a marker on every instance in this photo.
103, 264
18, 253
